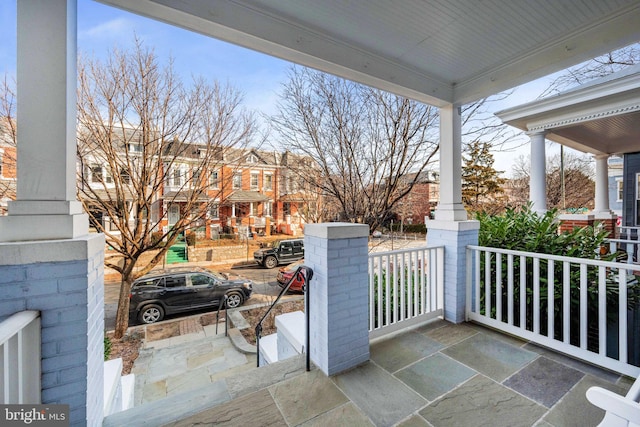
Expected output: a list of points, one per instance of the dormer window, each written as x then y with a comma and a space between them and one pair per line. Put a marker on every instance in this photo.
251, 158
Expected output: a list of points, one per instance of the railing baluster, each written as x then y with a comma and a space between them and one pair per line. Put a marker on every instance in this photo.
566, 301
550, 299
602, 311
622, 315
523, 292
499, 287
510, 289
487, 284
477, 284
536, 295
584, 326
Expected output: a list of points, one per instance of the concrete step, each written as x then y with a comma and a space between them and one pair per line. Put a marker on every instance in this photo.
179, 406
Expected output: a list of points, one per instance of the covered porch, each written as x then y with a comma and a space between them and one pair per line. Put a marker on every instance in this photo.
436, 52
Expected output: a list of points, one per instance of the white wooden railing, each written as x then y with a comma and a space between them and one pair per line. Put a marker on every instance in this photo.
627, 250
406, 288
629, 233
590, 309
20, 358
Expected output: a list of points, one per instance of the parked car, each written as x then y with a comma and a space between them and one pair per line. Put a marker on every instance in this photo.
176, 290
281, 252
286, 273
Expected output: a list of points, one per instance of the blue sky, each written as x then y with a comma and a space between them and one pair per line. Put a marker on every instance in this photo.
101, 28
257, 76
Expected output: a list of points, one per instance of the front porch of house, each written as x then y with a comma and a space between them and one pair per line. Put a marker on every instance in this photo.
440, 374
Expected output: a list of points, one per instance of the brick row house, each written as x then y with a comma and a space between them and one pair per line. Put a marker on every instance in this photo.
241, 191
7, 164
232, 191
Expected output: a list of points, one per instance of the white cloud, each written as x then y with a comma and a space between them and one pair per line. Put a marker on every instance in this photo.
110, 30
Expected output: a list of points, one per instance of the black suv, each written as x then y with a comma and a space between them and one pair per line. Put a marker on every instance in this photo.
281, 252
169, 291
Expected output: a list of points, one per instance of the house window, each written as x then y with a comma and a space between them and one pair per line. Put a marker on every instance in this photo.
268, 182
253, 208
177, 178
96, 173
620, 189
286, 208
135, 148
237, 181
214, 211
196, 178
213, 179
108, 179
251, 158
254, 180
125, 177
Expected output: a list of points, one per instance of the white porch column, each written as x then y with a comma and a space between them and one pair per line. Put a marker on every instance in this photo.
602, 185
233, 210
450, 227
450, 207
46, 205
48, 260
538, 175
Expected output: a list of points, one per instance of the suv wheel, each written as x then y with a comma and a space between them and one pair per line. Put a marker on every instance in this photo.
271, 262
234, 299
151, 313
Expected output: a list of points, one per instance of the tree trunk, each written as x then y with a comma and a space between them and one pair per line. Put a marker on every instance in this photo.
122, 315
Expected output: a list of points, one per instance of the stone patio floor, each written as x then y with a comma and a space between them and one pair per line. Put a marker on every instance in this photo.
438, 375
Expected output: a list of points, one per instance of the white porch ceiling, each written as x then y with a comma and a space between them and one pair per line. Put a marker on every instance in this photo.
434, 51
601, 117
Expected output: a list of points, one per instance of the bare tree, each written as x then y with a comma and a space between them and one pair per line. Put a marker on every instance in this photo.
595, 68
137, 158
365, 141
578, 176
8, 147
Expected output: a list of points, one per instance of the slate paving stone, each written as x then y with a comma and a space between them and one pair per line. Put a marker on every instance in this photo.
492, 357
574, 410
306, 396
544, 381
482, 402
344, 415
189, 380
255, 409
382, 397
587, 368
450, 333
396, 353
414, 421
434, 376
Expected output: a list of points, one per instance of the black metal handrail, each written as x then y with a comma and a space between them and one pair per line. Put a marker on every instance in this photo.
226, 316
307, 274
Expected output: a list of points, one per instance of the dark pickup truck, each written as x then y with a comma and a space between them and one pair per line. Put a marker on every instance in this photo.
280, 252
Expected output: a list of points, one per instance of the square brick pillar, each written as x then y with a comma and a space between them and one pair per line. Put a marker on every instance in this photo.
64, 281
454, 236
338, 295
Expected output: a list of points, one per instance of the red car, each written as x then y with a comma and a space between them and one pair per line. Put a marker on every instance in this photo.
286, 273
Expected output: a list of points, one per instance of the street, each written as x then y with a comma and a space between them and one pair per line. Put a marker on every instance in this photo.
265, 289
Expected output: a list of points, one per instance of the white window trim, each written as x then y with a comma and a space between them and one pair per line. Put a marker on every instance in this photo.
619, 184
